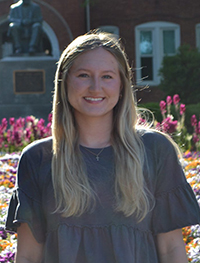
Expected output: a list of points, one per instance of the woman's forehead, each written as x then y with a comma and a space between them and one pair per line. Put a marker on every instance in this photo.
96, 58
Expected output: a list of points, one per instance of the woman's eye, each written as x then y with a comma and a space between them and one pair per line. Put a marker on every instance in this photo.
83, 75
107, 77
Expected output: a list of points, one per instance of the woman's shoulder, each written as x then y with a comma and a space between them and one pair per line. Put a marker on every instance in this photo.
39, 144
156, 140
152, 135
39, 150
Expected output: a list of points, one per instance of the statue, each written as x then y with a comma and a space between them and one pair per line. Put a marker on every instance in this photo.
25, 26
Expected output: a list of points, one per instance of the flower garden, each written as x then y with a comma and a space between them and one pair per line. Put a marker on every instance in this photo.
16, 134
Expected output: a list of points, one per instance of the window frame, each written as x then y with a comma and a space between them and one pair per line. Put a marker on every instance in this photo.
157, 29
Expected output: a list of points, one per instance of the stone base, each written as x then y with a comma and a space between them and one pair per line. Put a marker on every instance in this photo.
22, 104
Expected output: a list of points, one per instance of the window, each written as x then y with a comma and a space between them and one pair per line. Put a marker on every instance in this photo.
154, 40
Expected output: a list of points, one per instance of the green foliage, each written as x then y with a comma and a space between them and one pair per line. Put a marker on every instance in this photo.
184, 132
180, 74
183, 139
154, 108
191, 109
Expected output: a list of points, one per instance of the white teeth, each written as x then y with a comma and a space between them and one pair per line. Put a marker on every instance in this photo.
93, 99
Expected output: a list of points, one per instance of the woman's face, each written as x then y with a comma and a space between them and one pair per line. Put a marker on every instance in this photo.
93, 84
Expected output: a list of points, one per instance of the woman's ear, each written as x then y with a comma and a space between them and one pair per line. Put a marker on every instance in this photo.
121, 89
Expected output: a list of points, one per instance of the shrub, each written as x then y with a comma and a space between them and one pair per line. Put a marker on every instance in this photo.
169, 117
180, 74
191, 109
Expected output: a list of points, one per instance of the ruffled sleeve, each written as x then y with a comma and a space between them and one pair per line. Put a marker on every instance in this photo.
26, 201
175, 202
175, 209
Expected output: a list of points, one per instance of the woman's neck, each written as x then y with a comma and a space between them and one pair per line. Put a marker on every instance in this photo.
94, 133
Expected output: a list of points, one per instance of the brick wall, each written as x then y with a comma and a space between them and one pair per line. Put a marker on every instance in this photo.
54, 12
126, 14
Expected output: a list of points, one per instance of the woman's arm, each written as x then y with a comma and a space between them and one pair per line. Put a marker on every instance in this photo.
28, 249
171, 247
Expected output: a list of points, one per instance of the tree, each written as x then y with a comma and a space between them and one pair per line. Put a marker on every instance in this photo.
180, 74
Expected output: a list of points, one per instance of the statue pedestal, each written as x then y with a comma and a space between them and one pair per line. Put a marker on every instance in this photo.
26, 86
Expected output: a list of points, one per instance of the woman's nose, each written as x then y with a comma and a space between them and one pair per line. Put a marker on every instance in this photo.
95, 84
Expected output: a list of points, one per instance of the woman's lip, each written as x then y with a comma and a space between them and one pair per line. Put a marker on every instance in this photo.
94, 99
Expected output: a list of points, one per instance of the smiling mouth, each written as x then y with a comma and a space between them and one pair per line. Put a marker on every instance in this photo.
93, 99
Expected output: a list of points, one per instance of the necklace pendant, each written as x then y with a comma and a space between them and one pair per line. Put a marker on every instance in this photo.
97, 158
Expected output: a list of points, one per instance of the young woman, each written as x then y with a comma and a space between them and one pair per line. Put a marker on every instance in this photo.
101, 190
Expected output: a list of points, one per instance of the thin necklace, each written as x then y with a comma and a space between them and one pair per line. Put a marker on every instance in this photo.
96, 155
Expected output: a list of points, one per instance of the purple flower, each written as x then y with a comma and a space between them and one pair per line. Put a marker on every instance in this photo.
176, 99
182, 109
9, 257
3, 233
12, 178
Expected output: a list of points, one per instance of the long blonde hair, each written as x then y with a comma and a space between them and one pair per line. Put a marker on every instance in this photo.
73, 192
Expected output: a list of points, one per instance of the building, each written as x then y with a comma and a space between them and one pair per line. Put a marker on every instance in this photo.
149, 29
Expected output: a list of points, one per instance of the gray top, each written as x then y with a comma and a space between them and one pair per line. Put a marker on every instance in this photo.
102, 236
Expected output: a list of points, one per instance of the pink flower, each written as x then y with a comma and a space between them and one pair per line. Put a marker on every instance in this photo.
49, 125
195, 138
9, 136
30, 119
4, 124
168, 125
40, 123
169, 100
182, 109
141, 121
193, 120
47, 130
176, 99
17, 137
12, 121
20, 122
27, 134
163, 106
50, 118
197, 128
